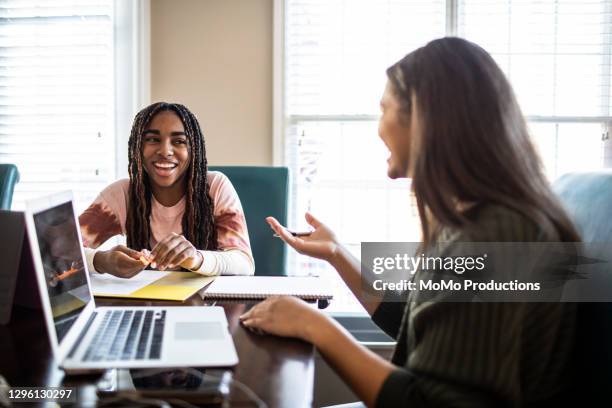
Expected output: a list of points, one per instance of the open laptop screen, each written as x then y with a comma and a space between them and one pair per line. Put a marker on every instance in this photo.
65, 275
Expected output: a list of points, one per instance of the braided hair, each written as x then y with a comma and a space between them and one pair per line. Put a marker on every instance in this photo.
198, 222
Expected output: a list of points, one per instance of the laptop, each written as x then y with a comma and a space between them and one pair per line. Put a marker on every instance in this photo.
86, 338
18, 282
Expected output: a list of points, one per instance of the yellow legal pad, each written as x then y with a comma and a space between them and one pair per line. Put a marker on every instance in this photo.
150, 284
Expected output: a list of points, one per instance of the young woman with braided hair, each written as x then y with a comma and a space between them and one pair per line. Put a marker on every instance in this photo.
171, 205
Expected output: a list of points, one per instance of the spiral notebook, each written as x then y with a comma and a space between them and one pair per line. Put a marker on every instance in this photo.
260, 287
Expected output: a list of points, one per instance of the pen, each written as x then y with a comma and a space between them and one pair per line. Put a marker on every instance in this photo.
297, 234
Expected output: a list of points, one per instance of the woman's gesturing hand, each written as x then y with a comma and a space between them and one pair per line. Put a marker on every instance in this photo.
285, 316
321, 243
173, 251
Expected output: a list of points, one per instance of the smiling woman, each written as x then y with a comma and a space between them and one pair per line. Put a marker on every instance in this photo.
165, 152
174, 213
451, 122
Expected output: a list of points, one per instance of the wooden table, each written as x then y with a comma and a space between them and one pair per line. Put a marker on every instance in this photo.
280, 371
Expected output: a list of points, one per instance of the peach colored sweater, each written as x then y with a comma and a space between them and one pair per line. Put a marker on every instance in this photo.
106, 217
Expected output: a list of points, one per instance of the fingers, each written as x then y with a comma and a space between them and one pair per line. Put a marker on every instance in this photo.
282, 231
254, 325
128, 251
170, 260
272, 220
248, 314
311, 220
258, 309
126, 260
127, 266
162, 252
181, 256
162, 245
253, 321
274, 224
295, 242
146, 257
276, 315
255, 318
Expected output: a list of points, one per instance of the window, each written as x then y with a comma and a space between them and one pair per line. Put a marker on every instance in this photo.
557, 55
331, 59
56, 73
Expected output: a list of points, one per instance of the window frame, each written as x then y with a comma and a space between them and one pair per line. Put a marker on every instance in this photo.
132, 44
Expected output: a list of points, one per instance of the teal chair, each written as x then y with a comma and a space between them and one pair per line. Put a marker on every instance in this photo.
9, 176
587, 197
263, 192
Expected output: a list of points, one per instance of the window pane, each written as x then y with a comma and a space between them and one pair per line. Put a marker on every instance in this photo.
336, 52
555, 52
569, 147
56, 96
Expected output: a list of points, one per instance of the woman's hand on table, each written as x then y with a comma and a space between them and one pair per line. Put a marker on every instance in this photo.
284, 316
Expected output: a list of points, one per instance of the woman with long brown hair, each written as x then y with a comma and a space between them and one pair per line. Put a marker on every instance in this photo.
451, 123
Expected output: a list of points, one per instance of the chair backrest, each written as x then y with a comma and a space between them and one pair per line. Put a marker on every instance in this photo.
587, 197
263, 192
9, 176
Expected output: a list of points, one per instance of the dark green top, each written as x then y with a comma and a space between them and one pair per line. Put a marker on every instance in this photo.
478, 354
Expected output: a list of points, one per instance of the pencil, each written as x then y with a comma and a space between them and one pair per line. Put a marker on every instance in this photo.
297, 234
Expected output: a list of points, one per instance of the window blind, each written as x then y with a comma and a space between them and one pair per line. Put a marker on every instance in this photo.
556, 52
56, 96
336, 51
557, 55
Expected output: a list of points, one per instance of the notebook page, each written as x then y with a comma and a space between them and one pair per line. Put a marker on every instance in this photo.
106, 284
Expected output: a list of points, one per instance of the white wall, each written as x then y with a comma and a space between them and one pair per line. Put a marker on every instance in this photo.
215, 56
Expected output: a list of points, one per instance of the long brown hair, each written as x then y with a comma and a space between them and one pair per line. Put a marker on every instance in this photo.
198, 222
475, 145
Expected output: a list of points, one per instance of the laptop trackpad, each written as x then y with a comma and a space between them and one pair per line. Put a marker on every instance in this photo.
198, 331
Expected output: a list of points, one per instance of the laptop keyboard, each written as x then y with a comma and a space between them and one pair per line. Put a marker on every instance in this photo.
128, 335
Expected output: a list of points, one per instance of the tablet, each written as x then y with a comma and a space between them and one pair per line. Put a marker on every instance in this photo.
194, 385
